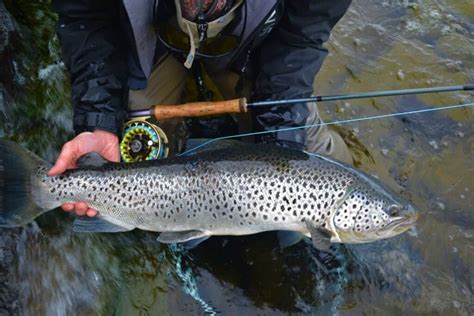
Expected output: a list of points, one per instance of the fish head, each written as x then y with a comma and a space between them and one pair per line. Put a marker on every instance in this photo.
369, 213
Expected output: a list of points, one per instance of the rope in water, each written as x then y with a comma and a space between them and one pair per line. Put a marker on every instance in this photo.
360, 119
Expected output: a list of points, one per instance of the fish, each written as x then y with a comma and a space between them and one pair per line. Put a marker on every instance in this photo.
231, 189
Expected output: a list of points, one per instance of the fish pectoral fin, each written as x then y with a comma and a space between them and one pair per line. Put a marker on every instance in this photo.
321, 237
175, 237
96, 225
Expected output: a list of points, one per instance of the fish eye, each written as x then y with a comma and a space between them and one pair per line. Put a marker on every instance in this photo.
393, 210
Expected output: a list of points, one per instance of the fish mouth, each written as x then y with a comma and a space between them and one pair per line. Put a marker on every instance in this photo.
398, 225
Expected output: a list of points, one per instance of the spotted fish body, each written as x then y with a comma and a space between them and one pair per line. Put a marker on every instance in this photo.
236, 190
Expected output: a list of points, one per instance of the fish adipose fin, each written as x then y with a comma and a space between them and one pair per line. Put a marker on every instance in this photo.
321, 237
17, 167
175, 237
96, 225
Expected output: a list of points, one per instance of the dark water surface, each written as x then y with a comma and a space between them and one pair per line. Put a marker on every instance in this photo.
45, 269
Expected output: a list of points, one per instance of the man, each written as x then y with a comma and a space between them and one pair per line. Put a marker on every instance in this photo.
113, 46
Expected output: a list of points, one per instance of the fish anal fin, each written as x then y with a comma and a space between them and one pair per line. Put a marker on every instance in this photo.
288, 238
321, 237
97, 225
182, 236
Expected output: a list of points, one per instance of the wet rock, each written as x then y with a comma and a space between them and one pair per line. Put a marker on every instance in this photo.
7, 26
8, 289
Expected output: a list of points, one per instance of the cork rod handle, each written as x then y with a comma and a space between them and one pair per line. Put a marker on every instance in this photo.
198, 109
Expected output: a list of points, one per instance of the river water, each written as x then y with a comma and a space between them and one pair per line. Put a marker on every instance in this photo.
45, 269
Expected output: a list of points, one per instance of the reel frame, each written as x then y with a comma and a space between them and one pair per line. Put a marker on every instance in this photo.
143, 140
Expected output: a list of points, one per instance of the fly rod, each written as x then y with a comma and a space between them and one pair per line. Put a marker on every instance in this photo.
199, 109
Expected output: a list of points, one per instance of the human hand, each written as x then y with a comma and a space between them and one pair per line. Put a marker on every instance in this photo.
102, 142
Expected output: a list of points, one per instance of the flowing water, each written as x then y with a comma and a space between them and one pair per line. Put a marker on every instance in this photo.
45, 269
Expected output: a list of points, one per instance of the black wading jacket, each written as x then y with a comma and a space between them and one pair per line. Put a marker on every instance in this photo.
106, 52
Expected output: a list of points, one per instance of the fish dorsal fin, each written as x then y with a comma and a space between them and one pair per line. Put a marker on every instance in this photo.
96, 225
92, 160
320, 236
175, 237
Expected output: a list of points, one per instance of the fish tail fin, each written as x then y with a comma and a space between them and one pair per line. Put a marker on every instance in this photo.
17, 166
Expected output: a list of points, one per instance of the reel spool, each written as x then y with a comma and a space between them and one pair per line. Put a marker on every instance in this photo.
142, 141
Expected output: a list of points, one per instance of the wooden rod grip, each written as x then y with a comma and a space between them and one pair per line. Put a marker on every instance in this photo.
197, 109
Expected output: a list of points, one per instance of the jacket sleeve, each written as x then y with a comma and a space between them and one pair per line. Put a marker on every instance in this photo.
291, 57
96, 57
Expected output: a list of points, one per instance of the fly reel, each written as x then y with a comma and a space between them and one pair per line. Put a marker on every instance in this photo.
142, 141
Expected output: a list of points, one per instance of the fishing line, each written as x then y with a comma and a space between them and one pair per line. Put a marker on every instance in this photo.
360, 119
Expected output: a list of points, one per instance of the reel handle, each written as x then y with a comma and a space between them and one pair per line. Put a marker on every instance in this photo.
198, 109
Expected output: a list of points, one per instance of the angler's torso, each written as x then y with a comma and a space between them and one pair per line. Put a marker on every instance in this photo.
141, 15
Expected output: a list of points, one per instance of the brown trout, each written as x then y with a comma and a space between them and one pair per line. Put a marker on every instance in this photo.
236, 189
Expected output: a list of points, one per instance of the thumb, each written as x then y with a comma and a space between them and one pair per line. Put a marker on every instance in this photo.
66, 160
112, 153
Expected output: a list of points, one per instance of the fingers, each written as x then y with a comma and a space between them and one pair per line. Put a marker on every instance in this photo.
80, 208
91, 213
67, 207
